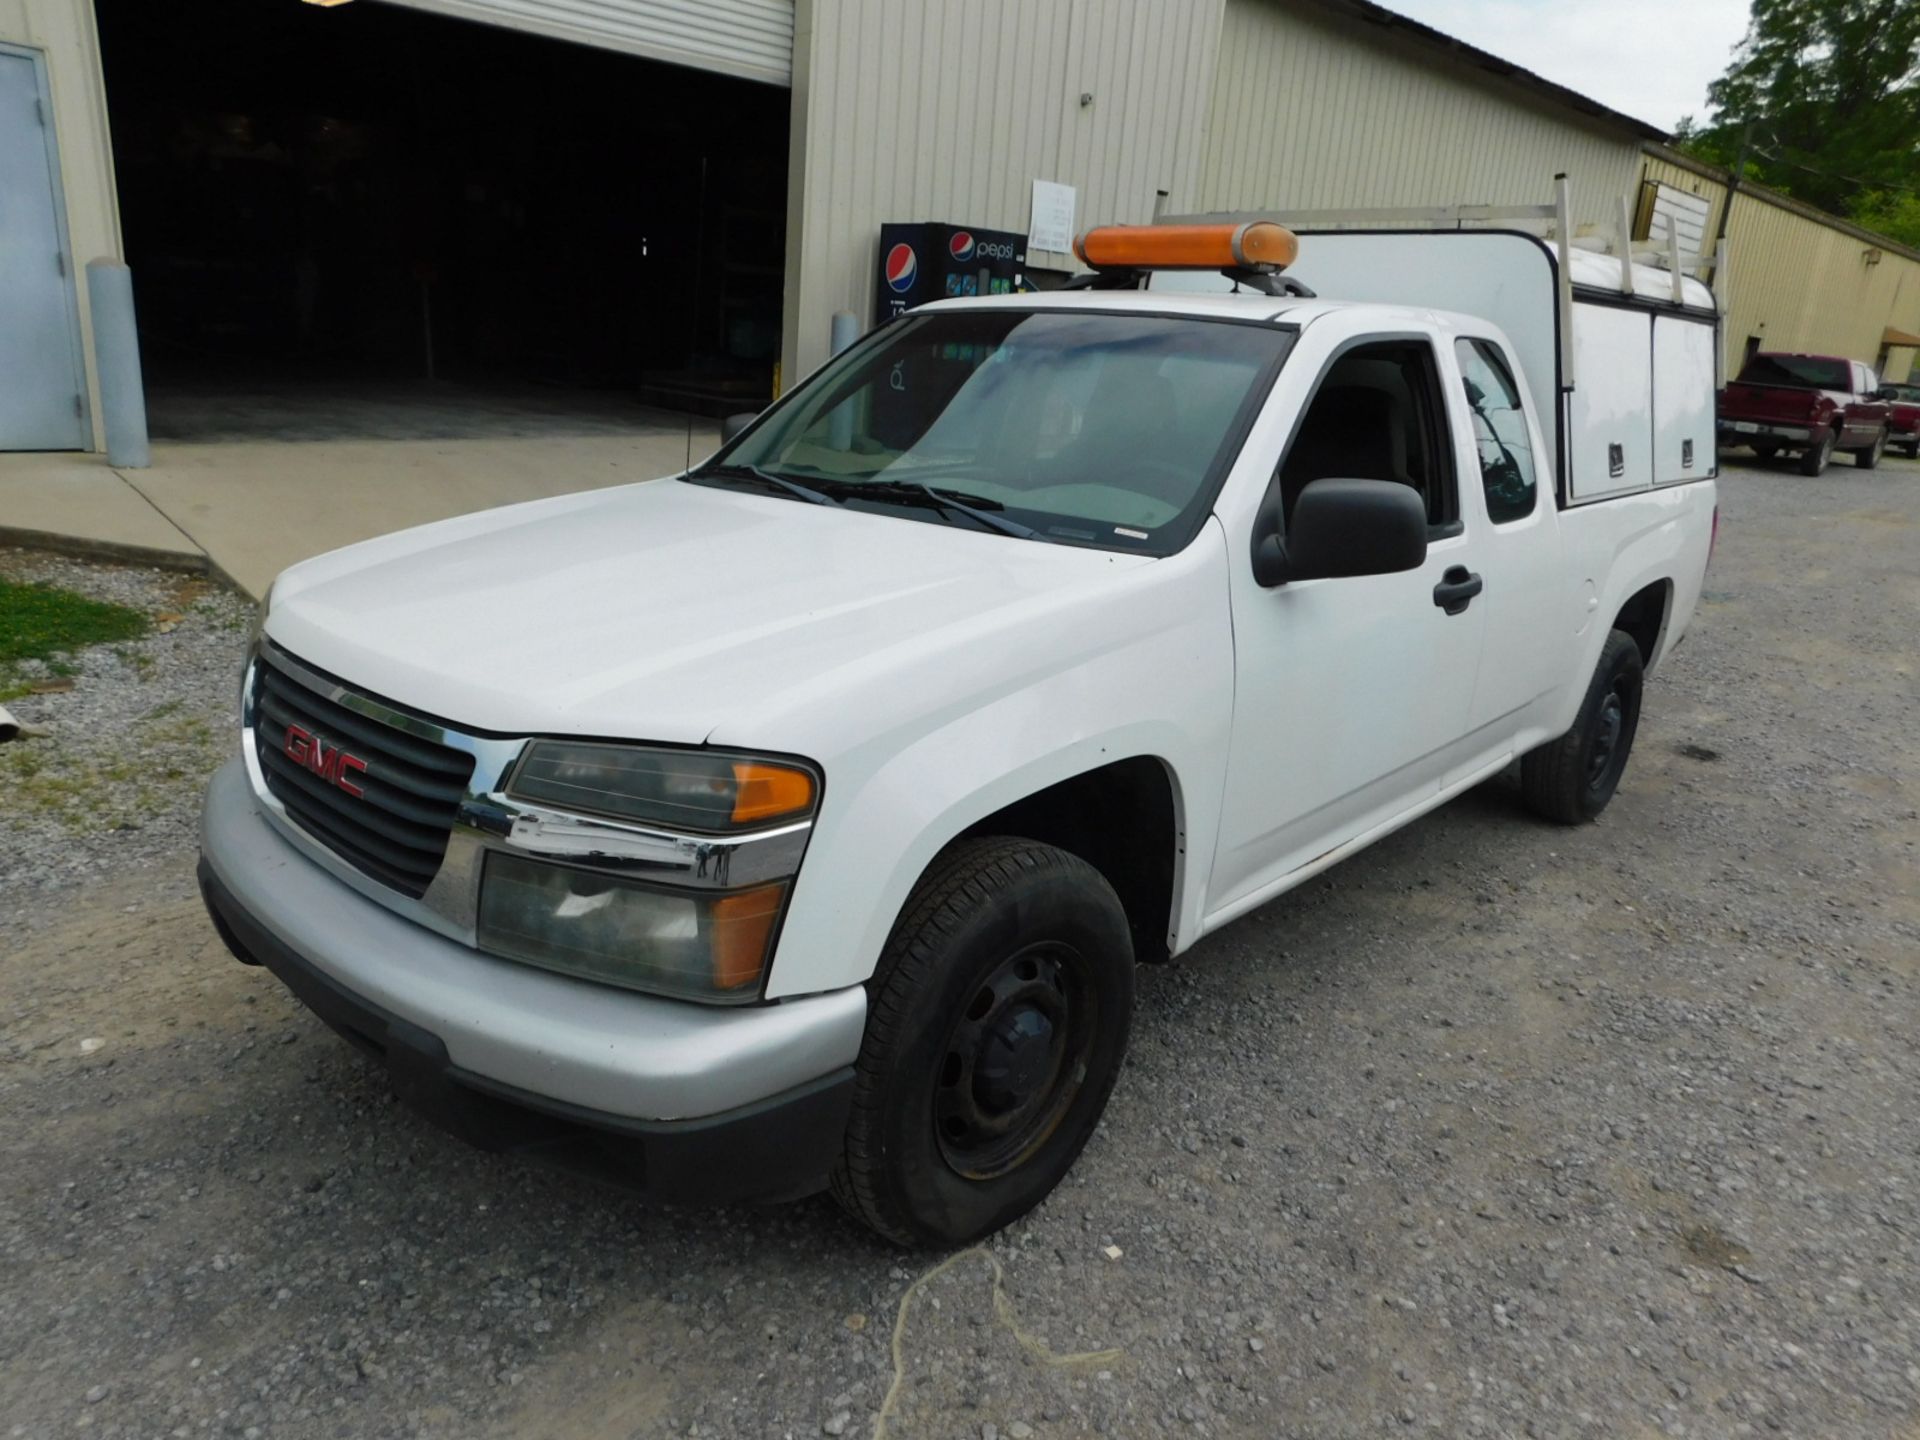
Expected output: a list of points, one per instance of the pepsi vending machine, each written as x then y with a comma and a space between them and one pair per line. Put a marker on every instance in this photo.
931, 261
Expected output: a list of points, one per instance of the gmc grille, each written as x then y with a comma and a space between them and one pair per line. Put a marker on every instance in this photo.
396, 830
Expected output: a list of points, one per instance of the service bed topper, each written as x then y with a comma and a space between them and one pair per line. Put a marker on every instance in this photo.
799, 820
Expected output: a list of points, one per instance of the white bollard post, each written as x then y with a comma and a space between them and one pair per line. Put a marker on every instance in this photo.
116, 349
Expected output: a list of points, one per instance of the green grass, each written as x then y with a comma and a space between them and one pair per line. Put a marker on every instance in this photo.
38, 621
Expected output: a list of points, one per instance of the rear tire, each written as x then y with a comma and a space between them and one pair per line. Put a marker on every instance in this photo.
1815, 461
1570, 780
996, 1024
1869, 458
1912, 449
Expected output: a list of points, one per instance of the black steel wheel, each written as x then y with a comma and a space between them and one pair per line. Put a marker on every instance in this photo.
1611, 737
1572, 779
996, 1025
1015, 1059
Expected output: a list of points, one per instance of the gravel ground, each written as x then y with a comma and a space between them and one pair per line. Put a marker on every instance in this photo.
111, 785
1497, 1129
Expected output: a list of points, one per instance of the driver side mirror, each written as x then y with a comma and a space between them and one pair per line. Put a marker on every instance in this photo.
1341, 528
1886, 392
734, 424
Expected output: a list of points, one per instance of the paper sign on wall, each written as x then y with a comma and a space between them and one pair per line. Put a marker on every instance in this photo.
1052, 227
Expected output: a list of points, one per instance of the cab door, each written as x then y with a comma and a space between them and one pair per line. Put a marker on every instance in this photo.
1506, 495
1353, 696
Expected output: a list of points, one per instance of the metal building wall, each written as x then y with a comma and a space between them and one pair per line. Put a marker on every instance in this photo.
63, 31
1313, 111
1801, 280
940, 110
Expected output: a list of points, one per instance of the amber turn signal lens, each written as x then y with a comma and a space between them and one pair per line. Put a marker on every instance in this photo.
742, 925
766, 792
1254, 244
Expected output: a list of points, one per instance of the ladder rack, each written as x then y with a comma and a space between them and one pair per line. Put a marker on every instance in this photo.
1555, 220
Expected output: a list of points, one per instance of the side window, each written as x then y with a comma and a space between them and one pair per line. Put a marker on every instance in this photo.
1377, 416
1499, 431
1869, 382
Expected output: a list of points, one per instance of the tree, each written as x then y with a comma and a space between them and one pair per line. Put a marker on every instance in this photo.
1823, 99
1895, 216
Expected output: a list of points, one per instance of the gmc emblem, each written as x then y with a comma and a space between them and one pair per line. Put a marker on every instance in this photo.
330, 763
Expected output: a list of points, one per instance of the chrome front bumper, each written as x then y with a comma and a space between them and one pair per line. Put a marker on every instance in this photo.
610, 1051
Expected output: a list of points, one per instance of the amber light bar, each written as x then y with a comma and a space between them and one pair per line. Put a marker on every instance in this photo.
1255, 245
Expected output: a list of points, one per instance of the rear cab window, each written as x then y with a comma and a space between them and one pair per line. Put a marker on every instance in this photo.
1803, 372
1500, 436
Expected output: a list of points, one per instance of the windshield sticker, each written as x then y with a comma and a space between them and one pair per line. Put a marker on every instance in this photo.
1130, 534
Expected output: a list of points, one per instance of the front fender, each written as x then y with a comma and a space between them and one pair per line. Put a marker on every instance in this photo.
1151, 676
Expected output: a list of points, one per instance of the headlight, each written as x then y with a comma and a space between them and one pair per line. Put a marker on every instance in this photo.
694, 945
695, 790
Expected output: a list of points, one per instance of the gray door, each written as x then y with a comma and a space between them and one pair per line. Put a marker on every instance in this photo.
41, 374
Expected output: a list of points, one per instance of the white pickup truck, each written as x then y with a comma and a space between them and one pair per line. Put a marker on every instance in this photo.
799, 820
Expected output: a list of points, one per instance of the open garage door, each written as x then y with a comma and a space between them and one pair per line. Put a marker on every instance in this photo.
371, 219
752, 39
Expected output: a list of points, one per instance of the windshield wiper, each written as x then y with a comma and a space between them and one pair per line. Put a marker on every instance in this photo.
738, 470
974, 507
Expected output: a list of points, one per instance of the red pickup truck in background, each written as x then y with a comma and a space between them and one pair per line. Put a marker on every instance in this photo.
1809, 405
1903, 423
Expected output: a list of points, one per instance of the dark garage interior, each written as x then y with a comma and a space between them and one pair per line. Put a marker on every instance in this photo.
328, 205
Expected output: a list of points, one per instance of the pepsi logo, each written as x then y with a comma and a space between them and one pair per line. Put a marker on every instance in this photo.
903, 268
961, 245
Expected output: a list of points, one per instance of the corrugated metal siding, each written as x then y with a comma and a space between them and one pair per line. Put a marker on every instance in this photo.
749, 38
1800, 284
1311, 113
939, 110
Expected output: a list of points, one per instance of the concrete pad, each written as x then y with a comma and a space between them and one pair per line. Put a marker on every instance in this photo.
77, 505
256, 507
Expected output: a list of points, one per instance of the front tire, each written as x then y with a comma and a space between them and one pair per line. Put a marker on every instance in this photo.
996, 1024
1912, 449
1570, 780
1869, 458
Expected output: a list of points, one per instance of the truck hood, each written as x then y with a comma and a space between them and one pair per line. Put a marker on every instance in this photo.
659, 611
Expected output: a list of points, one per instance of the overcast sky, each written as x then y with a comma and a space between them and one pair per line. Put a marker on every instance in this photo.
1650, 58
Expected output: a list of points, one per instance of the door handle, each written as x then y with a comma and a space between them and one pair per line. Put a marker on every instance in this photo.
1456, 589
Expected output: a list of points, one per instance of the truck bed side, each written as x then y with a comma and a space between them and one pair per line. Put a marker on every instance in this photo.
1653, 544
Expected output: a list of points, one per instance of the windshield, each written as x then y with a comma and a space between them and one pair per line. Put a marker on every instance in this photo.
1805, 372
1082, 427
1905, 392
